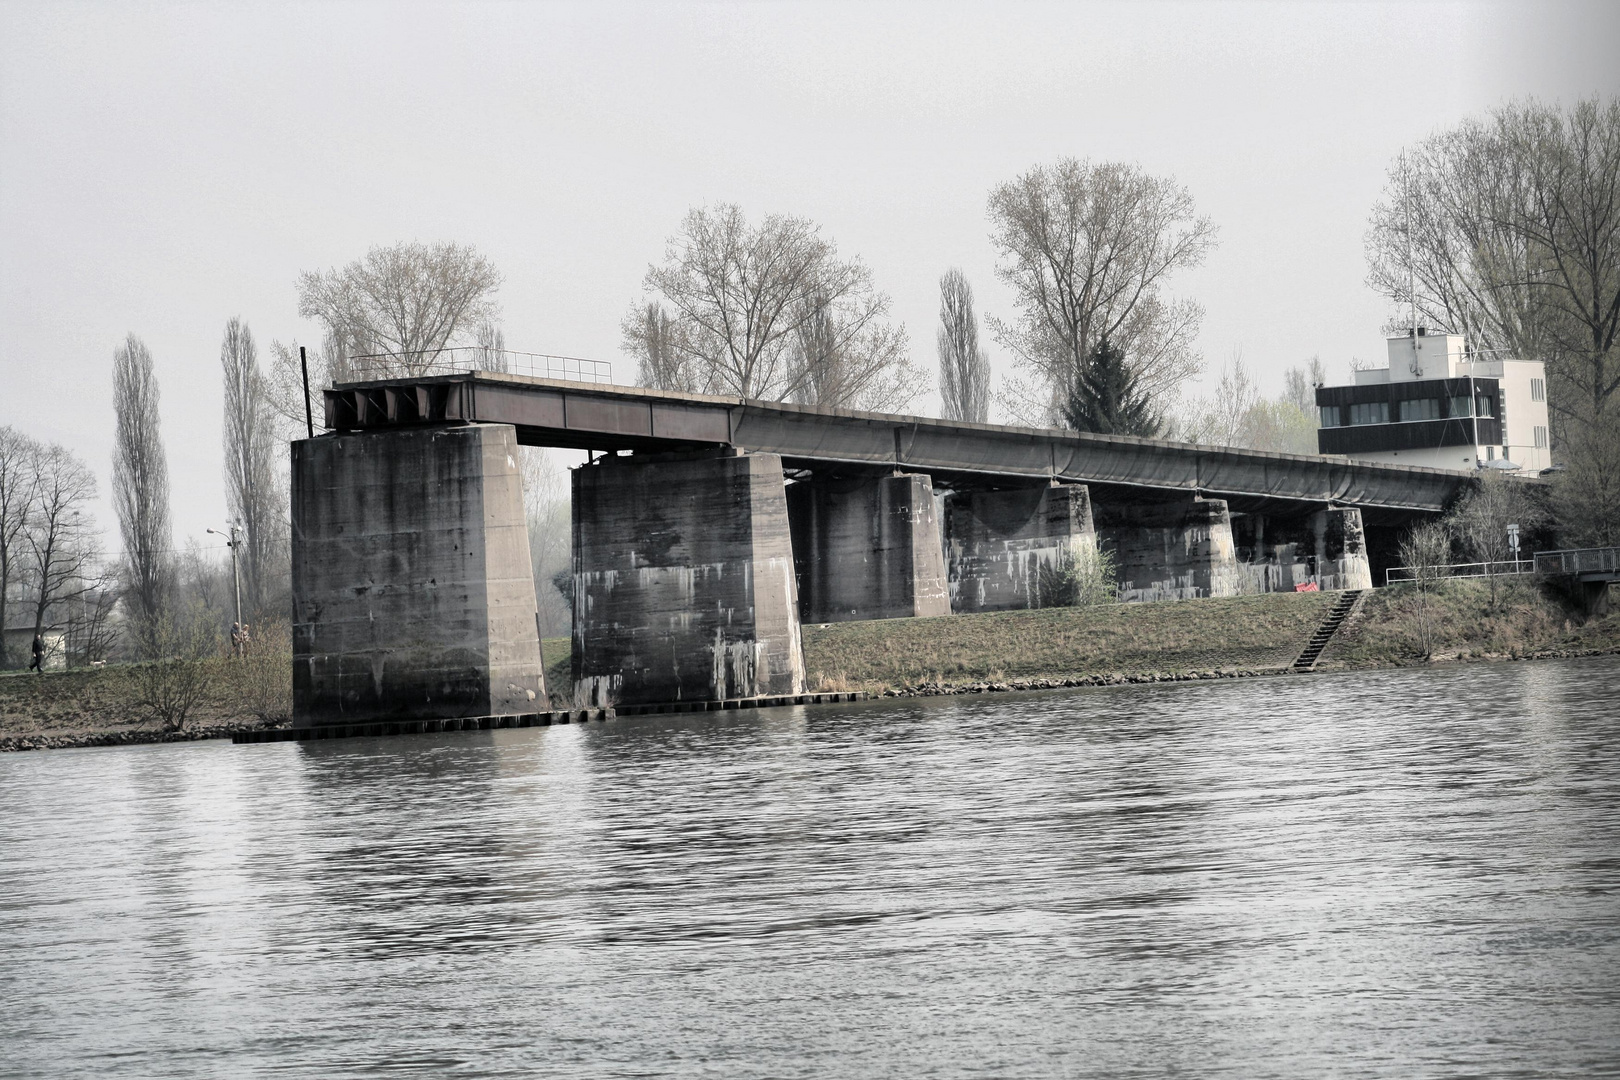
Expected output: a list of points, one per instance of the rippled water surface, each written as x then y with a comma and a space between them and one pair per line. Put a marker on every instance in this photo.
1396, 873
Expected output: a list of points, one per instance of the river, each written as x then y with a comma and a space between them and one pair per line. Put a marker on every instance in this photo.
1392, 873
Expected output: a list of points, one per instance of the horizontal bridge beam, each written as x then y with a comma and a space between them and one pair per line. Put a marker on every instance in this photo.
589, 416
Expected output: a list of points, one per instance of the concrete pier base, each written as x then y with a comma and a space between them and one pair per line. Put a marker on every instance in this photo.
1327, 549
413, 596
1007, 547
868, 547
683, 580
1171, 551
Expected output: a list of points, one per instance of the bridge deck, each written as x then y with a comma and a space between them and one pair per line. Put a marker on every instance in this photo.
589, 416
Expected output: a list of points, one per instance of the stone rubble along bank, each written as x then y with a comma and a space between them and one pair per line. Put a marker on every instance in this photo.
130, 737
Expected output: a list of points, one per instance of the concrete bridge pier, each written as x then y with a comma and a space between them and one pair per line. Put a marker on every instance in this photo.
1006, 547
868, 547
1328, 547
683, 580
1341, 549
413, 596
1173, 550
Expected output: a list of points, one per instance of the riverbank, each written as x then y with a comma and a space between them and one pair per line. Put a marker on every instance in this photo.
1228, 637
100, 706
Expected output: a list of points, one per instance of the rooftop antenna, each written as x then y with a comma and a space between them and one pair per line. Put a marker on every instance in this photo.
1416, 366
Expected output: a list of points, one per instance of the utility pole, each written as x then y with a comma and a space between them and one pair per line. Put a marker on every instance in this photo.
236, 573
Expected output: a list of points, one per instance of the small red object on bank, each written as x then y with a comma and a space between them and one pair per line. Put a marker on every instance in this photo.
1309, 586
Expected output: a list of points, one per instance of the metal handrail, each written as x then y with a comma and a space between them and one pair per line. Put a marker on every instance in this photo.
1462, 570
466, 358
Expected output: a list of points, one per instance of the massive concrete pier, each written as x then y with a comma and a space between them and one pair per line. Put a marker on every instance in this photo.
710, 528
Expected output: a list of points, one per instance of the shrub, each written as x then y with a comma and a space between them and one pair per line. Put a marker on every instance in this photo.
261, 681
1083, 576
181, 672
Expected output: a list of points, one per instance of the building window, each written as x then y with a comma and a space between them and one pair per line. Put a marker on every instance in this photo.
1423, 408
1538, 390
1484, 405
1370, 412
1462, 405
1330, 415
1541, 438
1490, 453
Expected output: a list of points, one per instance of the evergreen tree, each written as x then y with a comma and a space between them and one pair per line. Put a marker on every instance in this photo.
1104, 396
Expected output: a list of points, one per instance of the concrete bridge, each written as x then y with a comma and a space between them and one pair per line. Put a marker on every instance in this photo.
709, 528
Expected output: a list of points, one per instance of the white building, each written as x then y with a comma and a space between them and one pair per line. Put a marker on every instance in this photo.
1441, 406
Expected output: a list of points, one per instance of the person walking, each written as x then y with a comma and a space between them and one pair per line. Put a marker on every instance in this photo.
38, 663
236, 641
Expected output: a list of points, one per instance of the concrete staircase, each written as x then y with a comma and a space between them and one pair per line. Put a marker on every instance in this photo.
1330, 626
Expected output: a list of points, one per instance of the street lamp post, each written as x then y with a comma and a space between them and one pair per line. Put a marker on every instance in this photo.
236, 573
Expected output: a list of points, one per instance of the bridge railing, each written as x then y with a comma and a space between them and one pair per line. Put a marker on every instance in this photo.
464, 358
1579, 561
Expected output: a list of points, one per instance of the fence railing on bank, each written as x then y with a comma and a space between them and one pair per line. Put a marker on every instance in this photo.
1460, 570
1572, 561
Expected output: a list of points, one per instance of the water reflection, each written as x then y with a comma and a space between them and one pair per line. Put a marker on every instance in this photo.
1383, 873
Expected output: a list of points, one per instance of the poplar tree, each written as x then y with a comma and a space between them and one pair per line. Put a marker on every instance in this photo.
141, 485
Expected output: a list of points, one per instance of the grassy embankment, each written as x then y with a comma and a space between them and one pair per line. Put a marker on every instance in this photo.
1527, 619
101, 705
1245, 634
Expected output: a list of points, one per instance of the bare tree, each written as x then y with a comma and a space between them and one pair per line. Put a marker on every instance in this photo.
768, 312
653, 337
1586, 495
1087, 248
1507, 230
1239, 415
19, 480
490, 352
1300, 385
1481, 518
61, 537
1425, 550
408, 301
845, 357
250, 463
141, 481
964, 367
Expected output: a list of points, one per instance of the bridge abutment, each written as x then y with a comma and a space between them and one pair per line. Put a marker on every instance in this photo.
1009, 549
683, 580
413, 595
868, 547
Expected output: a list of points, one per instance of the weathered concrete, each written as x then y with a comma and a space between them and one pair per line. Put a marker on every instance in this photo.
413, 596
1004, 544
683, 580
1171, 551
868, 547
1327, 549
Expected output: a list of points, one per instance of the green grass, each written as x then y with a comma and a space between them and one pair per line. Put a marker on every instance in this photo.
1250, 632
559, 676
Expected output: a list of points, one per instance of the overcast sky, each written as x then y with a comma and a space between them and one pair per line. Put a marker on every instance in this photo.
164, 167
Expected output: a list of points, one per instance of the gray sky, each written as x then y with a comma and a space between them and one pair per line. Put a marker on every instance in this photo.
164, 167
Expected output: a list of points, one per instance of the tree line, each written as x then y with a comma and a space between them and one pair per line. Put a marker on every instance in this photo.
1503, 229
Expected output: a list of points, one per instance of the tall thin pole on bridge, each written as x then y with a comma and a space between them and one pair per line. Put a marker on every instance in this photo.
309, 415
